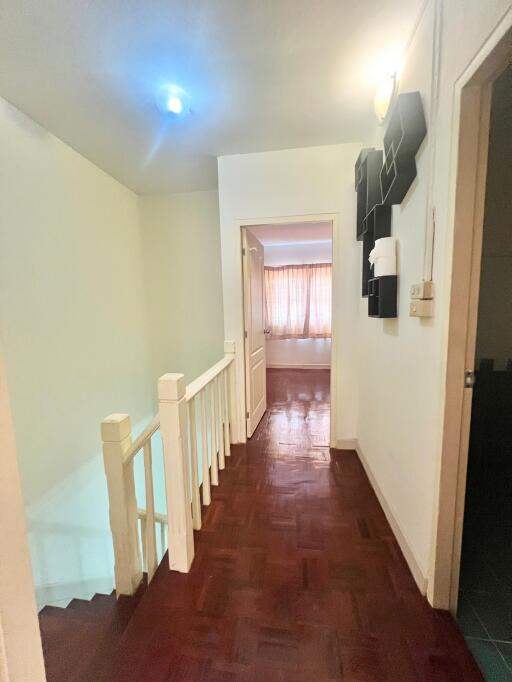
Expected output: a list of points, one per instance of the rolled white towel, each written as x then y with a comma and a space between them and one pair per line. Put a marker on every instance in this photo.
383, 257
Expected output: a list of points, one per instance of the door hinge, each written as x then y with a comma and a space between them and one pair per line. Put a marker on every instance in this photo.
243, 252
246, 334
469, 378
247, 415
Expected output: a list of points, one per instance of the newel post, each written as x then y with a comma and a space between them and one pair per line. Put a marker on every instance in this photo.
230, 351
116, 434
173, 427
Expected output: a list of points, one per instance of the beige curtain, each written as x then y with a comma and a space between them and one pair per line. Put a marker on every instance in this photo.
298, 301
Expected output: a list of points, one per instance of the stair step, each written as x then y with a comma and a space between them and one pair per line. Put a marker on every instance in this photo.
79, 640
99, 598
66, 645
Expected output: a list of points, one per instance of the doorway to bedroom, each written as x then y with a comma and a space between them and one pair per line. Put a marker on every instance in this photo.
287, 273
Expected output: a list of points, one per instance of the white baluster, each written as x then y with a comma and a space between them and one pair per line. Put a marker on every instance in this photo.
150, 530
173, 426
213, 435
196, 499
204, 441
220, 420
227, 443
229, 349
143, 543
163, 544
117, 437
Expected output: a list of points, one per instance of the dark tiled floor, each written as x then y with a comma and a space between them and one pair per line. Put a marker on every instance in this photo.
485, 603
297, 575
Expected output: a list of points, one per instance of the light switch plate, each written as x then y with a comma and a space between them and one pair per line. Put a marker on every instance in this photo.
423, 290
419, 308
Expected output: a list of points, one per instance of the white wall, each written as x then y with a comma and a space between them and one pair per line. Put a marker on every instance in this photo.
183, 282
72, 326
402, 362
301, 353
294, 182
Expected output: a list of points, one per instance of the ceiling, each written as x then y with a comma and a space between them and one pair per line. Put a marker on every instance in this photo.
260, 74
293, 233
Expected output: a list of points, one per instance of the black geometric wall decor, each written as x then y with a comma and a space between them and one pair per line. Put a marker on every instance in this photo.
404, 135
367, 182
361, 183
382, 180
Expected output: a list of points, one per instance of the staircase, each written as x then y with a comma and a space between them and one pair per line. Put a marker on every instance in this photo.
84, 641
80, 641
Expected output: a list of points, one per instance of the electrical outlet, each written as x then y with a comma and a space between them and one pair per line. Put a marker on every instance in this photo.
423, 290
421, 308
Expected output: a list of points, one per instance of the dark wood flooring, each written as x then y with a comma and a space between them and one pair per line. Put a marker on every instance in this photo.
297, 575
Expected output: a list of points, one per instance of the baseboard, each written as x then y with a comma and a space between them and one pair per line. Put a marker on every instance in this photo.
420, 579
346, 444
281, 366
60, 594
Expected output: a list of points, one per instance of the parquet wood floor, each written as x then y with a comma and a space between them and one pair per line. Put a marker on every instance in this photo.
297, 575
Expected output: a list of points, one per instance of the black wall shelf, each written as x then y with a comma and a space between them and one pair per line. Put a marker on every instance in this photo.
402, 139
382, 296
377, 225
367, 183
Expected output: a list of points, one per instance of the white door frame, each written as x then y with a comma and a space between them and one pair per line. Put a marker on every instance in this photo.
472, 101
336, 293
21, 654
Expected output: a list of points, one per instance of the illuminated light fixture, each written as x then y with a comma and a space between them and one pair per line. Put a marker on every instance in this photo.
384, 72
384, 96
171, 99
174, 104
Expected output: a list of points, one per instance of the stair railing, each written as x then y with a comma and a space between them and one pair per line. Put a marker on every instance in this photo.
118, 455
192, 418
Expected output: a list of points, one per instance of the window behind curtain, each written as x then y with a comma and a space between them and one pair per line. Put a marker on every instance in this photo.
298, 301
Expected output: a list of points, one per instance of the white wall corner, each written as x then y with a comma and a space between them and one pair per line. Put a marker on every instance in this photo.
60, 594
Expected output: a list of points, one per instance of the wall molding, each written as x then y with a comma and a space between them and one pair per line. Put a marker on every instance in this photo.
296, 366
417, 573
346, 444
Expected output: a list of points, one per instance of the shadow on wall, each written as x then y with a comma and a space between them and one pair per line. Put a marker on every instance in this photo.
73, 546
69, 536
69, 533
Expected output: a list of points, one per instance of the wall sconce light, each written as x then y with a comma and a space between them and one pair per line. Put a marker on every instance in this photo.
386, 92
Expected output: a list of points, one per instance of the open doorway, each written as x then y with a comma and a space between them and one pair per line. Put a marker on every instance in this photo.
287, 272
485, 585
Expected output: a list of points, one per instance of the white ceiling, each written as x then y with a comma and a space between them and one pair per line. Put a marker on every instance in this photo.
293, 233
261, 75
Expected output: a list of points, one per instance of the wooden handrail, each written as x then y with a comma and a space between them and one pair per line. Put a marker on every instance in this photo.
159, 518
207, 377
138, 443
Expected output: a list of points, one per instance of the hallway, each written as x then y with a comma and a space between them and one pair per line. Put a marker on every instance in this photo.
297, 575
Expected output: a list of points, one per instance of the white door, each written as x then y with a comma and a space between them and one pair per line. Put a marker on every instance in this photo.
254, 316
